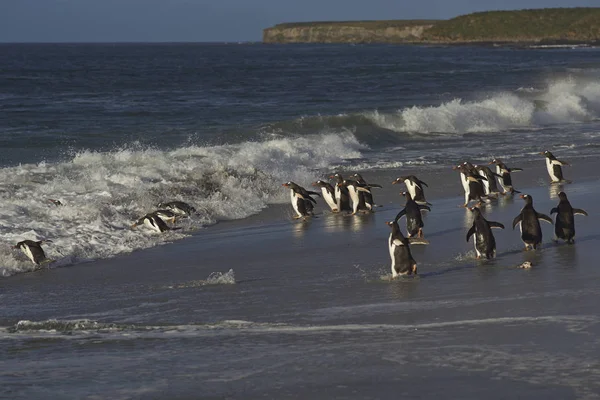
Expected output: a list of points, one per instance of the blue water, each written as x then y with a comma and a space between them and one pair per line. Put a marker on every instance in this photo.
243, 303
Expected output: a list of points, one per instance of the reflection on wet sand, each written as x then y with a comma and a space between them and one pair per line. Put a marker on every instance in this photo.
554, 189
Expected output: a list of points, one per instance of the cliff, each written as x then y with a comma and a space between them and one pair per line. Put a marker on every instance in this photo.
523, 26
347, 32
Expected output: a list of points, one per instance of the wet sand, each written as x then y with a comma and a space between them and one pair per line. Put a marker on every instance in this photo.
318, 317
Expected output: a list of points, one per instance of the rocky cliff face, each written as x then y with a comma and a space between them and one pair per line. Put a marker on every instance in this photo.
328, 33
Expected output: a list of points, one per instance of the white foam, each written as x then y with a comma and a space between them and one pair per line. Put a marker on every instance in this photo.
103, 193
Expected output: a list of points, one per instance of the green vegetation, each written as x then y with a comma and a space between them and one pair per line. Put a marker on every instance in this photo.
357, 24
540, 25
523, 25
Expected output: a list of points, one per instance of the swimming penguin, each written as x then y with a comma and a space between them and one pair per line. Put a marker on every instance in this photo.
368, 196
553, 165
490, 186
415, 187
154, 222
472, 184
33, 250
531, 231
505, 178
565, 219
178, 207
167, 215
328, 193
403, 262
356, 200
342, 197
414, 220
301, 201
485, 243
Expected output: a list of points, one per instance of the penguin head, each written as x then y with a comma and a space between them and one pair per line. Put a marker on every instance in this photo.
528, 199
319, 183
475, 210
547, 154
290, 185
407, 195
337, 177
399, 180
358, 176
562, 196
495, 161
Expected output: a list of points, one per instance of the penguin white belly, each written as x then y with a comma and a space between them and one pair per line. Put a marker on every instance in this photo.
354, 197
411, 188
550, 167
475, 243
486, 183
151, 224
329, 200
392, 248
464, 181
294, 201
338, 197
27, 251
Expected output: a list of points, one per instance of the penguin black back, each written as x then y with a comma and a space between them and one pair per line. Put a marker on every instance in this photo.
531, 231
485, 243
414, 219
564, 228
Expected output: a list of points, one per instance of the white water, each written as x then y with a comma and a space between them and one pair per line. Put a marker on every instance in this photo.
102, 194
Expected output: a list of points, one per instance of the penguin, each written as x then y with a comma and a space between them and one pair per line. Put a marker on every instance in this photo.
301, 201
357, 201
564, 228
328, 194
474, 187
367, 196
505, 178
403, 262
490, 186
154, 222
415, 187
342, 197
553, 165
531, 231
484, 241
33, 250
414, 220
178, 207
167, 215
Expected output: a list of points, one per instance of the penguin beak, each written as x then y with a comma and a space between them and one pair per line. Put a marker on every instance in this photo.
389, 223
331, 176
133, 226
542, 153
522, 196
454, 168
396, 181
315, 184
285, 184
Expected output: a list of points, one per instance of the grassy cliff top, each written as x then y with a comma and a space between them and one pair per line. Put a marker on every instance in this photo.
363, 24
551, 23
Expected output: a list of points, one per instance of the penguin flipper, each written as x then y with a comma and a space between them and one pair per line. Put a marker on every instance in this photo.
515, 169
422, 183
424, 207
514, 191
374, 185
400, 214
470, 232
313, 193
496, 225
579, 211
564, 163
363, 189
417, 240
517, 219
544, 217
555, 210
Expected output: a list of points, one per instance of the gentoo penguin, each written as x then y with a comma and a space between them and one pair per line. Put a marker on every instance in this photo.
553, 165
328, 193
178, 207
504, 176
342, 197
403, 262
564, 228
531, 231
356, 200
485, 243
301, 201
33, 250
415, 187
490, 186
368, 196
154, 222
472, 183
167, 215
412, 211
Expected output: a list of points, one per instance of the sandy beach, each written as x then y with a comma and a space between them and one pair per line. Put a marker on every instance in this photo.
315, 298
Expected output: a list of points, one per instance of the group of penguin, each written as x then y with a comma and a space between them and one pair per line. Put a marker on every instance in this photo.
480, 184
167, 212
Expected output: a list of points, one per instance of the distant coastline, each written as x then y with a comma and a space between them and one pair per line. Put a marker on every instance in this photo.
548, 27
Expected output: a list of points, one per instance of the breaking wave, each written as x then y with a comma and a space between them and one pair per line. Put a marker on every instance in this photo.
103, 193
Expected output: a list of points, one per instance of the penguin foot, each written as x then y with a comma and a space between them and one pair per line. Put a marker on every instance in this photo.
420, 233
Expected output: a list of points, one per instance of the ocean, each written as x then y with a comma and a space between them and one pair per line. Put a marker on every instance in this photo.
244, 302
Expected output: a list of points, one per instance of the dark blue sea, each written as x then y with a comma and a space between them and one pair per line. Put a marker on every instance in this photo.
243, 303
